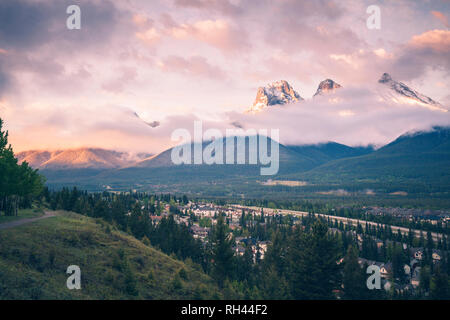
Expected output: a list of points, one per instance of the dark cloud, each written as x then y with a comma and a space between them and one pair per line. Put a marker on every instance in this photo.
34, 38
27, 24
24, 24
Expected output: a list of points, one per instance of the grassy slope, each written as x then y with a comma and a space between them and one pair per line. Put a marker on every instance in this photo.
28, 271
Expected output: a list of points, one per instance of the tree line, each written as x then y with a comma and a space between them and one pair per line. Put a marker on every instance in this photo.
19, 183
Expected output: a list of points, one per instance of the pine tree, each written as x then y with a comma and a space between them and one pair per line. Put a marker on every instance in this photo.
439, 287
314, 272
242, 220
222, 253
425, 279
353, 279
274, 286
17, 182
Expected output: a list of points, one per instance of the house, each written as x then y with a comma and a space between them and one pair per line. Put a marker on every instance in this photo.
238, 239
417, 253
199, 232
360, 239
248, 241
156, 219
407, 269
385, 269
379, 244
436, 255
240, 250
262, 246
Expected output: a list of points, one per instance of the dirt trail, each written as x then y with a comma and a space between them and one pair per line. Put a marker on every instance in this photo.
12, 224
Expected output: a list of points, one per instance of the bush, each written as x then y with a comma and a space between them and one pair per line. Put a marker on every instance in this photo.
140, 261
176, 283
183, 274
52, 257
130, 283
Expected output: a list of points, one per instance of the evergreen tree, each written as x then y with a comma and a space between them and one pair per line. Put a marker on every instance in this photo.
222, 253
424, 279
17, 182
439, 287
314, 272
354, 279
273, 285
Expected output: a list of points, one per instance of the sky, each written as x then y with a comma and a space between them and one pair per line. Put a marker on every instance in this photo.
134, 62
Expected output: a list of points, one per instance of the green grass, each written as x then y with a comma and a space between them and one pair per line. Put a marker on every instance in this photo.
22, 214
34, 259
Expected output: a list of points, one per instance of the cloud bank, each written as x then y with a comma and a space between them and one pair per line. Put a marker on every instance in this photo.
179, 60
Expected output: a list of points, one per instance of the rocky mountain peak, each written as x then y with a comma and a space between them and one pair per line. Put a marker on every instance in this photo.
327, 86
278, 92
400, 91
386, 77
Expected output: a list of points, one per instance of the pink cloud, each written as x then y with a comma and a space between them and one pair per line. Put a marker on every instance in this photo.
441, 17
194, 66
218, 33
430, 49
150, 36
117, 85
437, 40
223, 6
142, 21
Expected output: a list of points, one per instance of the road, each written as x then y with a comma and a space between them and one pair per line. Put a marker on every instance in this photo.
404, 231
12, 224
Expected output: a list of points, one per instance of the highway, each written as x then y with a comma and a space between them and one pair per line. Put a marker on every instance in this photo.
404, 231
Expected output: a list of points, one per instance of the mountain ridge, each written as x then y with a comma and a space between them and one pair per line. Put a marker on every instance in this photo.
414, 162
86, 157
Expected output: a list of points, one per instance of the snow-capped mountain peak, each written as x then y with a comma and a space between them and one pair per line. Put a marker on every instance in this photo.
278, 92
327, 86
401, 93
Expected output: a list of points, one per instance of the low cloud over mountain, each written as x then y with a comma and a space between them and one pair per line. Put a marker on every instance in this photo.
372, 113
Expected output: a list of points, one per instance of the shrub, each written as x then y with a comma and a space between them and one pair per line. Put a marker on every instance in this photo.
183, 274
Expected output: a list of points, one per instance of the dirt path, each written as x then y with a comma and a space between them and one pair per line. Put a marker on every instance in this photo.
12, 224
